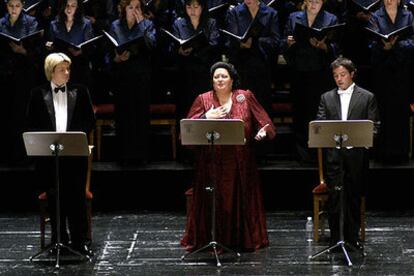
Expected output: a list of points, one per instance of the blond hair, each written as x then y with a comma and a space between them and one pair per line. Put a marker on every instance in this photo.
52, 61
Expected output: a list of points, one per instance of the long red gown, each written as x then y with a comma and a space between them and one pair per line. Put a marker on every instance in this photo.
240, 216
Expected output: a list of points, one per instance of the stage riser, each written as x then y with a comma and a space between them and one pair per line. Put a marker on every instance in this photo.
283, 189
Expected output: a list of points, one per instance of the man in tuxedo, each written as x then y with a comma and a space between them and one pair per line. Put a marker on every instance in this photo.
346, 102
62, 106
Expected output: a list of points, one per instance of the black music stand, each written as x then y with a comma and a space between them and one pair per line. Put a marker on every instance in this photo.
212, 132
340, 134
56, 144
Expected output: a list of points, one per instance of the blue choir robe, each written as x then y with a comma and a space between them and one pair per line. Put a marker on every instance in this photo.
310, 75
255, 64
132, 89
393, 84
81, 31
266, 45
140, 60
18, 74
304, 57
203, 56
195, 68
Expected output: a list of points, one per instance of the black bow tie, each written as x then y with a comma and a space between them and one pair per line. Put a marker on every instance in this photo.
61, 88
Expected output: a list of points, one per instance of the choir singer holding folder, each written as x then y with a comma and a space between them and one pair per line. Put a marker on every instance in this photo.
392, 62
195, 61
132, 72
309, 61
254, 55
72, 27
19, 67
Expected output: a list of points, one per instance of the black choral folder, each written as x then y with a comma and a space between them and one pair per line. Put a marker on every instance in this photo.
18, 40
197, 40
303, 33
63, 44
127, 45
253, 30
365, 6
401, 33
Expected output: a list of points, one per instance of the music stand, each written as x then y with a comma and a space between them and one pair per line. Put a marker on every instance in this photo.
340, 134
56, 144
212, 132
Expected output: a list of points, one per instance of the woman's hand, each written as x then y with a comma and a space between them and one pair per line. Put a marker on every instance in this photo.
217, 113
247, 44
320, 44
17, 48
49, 45
185, 52
75, 52
388, 45
139, 16
122, 57
290, 40
262, 133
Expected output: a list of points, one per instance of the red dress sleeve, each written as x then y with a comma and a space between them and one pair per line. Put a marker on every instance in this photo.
197, 110
260, 116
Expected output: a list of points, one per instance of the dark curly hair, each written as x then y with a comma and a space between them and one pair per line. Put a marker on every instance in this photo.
230, 68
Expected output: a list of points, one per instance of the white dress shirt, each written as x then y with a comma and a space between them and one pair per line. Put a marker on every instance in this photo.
345, 97
60, 103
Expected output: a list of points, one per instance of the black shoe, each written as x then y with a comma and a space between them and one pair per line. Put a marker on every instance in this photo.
356, 246
83, 249
53, 251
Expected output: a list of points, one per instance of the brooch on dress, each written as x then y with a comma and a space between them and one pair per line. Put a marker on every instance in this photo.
240, 98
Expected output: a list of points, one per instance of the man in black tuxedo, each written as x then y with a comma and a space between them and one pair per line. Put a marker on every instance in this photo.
346, 102
61, 106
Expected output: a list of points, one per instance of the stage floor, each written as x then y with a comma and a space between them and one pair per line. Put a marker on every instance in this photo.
147, 243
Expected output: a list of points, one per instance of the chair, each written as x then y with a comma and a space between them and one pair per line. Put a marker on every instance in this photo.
320, 197
161, 115
44, 216
164, 115
104, 114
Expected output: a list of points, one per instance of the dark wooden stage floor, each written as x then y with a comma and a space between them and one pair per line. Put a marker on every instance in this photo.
147, 243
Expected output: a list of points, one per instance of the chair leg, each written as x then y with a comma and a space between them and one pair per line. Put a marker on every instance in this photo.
98, 142
89, 218
174, 142
363, 219
315, 218
43, 218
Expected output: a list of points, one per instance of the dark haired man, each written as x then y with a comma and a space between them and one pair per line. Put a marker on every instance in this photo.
346, 102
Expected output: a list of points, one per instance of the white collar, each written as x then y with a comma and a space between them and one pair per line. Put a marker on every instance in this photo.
348, 91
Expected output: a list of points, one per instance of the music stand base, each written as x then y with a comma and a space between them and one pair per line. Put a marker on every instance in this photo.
214, 245
342, 245
58, 247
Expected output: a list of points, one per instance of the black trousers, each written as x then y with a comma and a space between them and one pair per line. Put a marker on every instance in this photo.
355, 164
72, 184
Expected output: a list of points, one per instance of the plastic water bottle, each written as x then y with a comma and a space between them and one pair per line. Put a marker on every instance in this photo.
309, 229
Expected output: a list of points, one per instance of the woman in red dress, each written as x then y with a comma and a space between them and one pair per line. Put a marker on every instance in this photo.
240, 216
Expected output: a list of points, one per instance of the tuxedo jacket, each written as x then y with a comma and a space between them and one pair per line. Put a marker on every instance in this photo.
41, 112
41, 117
363, 106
